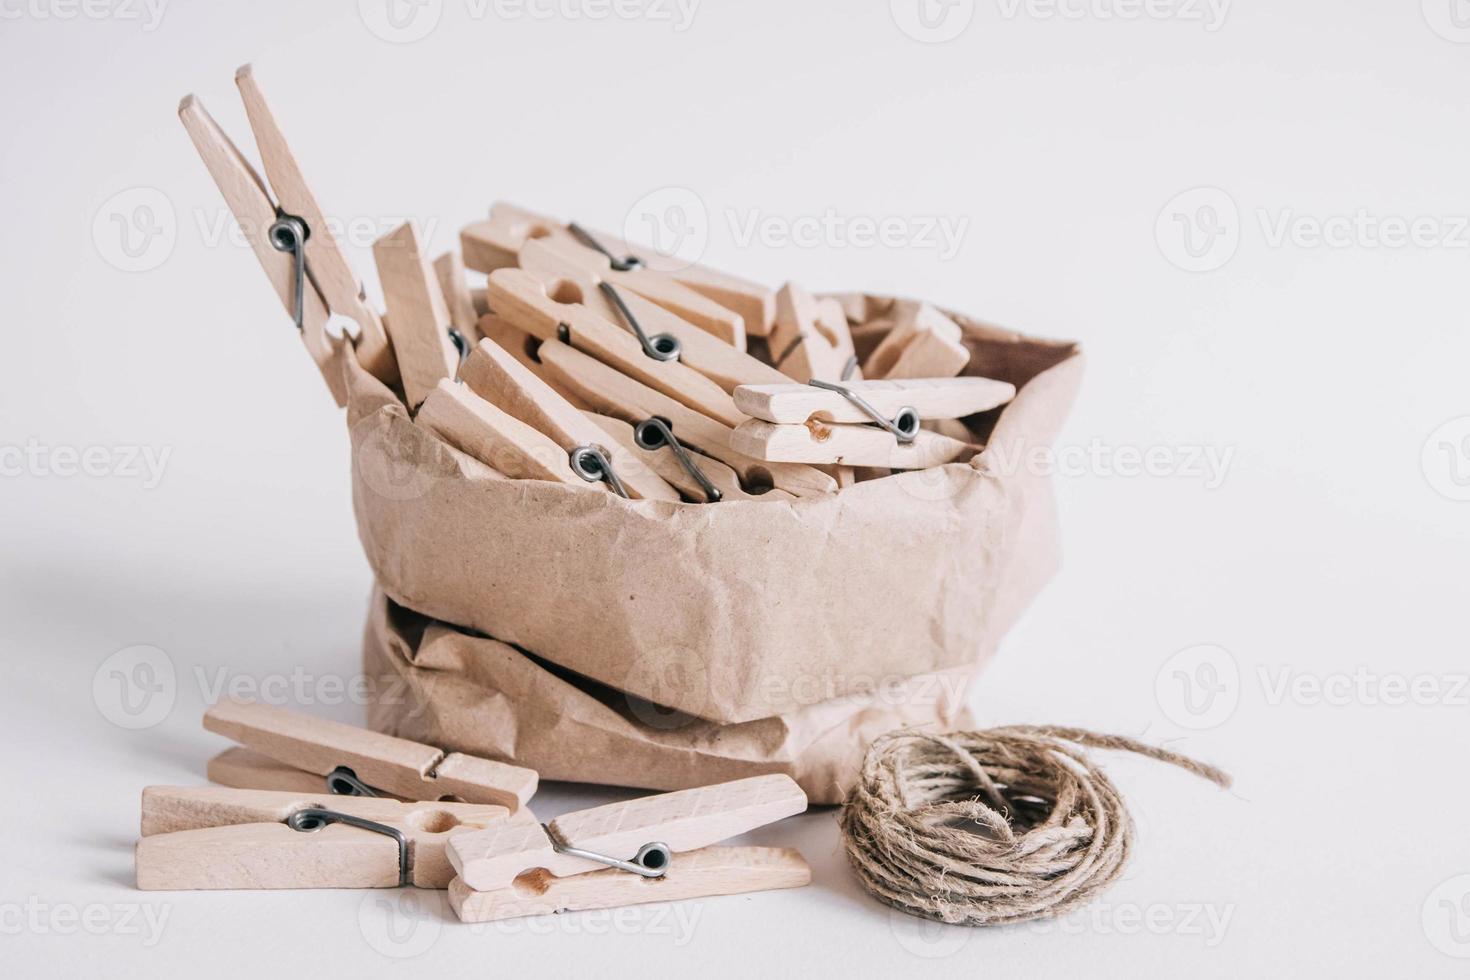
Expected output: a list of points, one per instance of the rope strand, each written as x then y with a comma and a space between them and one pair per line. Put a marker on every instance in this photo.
997, 826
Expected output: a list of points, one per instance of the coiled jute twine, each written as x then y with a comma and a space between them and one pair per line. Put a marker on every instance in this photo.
996, 826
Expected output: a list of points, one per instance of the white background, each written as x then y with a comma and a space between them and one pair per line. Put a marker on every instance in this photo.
1331, 550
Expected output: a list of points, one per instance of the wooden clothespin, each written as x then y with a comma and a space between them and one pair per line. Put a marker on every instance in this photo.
693, 474
454, 284
477, 428
501, 379
355, 761
748, 307
922, 343
215, 837
291, 239
811, 338
823, 422
657, 848
610, 392
523, 300
418, 317
553, 261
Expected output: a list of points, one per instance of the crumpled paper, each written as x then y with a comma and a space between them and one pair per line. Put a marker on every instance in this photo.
738, 612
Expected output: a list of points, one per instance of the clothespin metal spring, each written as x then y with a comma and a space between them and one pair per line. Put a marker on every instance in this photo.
311, 819
656, 432
592, 465
904, 425
651, 861
344, 782
288, 233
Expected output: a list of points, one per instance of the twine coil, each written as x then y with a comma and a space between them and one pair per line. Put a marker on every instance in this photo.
996, 826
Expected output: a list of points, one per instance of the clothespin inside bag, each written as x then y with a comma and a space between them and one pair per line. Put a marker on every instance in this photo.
811, 338
355, 761
748, 307
552, 261
218, 837
418, 317
586, 859
477, 428
695, 475
923, 343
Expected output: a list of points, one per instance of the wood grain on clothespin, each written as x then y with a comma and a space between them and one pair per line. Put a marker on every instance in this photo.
818, 443
449, 270
609, 392
394, 765
418, 318
501, 379
474, 426
217, 837
330, 270
548, 260
685, 820
522, 299
663, 462
810, 338
932, 398
248, 200
706, 872
923, 343
495, 244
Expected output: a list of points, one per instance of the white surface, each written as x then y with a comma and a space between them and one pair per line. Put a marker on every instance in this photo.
1333, 542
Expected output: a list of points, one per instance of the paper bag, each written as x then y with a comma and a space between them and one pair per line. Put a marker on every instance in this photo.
736, 611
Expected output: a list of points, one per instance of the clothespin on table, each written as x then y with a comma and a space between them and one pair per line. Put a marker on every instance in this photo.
198, 837
737, 306
500, 378
811, 338
553, 261
658, 848
922, 343
357, 762
822, 422
609, 392
292, 239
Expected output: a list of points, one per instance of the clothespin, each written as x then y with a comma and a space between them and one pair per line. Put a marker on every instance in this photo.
922, 343
610, 392
501, 379
820, 422
291, 239
811, 338
658, 848
358, 762
653, 359
454, 284
553, 261
477, 428
740, 306
701, 478
418, 317
215, 837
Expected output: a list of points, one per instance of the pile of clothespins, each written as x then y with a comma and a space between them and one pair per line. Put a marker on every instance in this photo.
309, 803
582, 360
